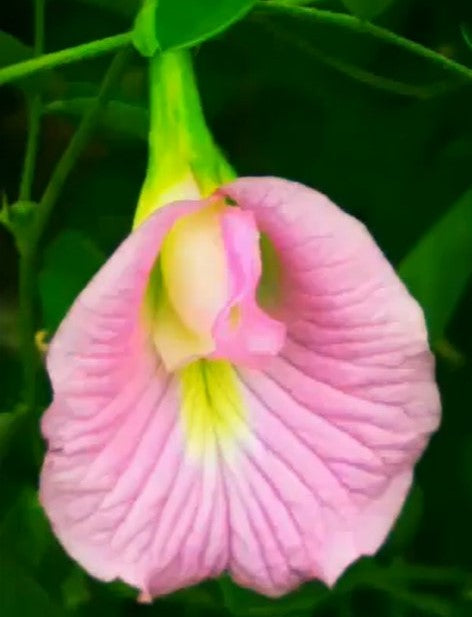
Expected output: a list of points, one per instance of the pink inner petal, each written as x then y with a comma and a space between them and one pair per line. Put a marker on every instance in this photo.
243, 332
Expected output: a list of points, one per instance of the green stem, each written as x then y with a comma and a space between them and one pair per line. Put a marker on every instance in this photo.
359, 74
182, 150
349, 22
27, 325
178, 131
75, 147
34, 110
65, 56
29, 245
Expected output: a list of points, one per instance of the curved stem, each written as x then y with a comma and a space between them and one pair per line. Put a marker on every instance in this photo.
65, 56
34, 111
349, 22
359, 74
28, 249
75, 147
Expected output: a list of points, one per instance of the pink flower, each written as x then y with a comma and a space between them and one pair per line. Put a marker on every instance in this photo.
207, 419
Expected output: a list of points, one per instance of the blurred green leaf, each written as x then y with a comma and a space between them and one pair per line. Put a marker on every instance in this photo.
439, 267
70, 261
345, 42
127, 8
117, 117
367, 9
467, 34
9, 423
12, 50
75, 589
167, 24
20, 594
244, 602
408, 522
25, 529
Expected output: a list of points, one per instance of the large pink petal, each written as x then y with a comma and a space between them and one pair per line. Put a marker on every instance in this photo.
342, 414
123, 497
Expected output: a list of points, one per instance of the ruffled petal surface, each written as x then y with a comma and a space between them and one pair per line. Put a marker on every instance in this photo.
298, 467
122, 495
243, 332
340, 416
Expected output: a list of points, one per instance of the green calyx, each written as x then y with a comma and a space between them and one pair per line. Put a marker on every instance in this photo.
184, 161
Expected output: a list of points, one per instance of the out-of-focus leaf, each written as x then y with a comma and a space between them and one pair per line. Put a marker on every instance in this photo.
70, 261
24, 528
439, 267
12, 50
351, 46
75, 589
467, 34
299, 603
127, 8
166, 24
9, 423
367, 9
20, 594
408, 522
118, 117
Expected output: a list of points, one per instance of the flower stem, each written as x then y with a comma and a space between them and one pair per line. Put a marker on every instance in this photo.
65, 56
181, 146
34, 110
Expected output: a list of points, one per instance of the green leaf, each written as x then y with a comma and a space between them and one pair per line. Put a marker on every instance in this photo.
367, 9
319, 33
408, 523
25, 529
118, 117
439, 267
20, 593
12, 50
168, 24
244, 602
127, 8
467, 34
70, 261
75, 590
9, 423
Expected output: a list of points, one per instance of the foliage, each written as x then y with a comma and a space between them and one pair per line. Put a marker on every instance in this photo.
374, 113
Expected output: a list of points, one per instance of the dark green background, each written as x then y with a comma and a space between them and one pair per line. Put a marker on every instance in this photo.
398, 161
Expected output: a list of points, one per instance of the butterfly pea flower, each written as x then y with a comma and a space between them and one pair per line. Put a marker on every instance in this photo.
244, 387
202, 423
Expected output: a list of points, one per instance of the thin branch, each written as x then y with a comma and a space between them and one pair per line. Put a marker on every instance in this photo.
353, 24
65, 56
34, 111
75, 147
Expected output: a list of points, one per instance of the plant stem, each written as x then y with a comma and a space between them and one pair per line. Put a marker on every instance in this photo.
65, 56
349, 22
75, 147
28, 250
27, 326
34, 110
182, 150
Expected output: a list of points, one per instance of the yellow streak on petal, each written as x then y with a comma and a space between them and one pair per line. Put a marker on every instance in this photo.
213, 411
